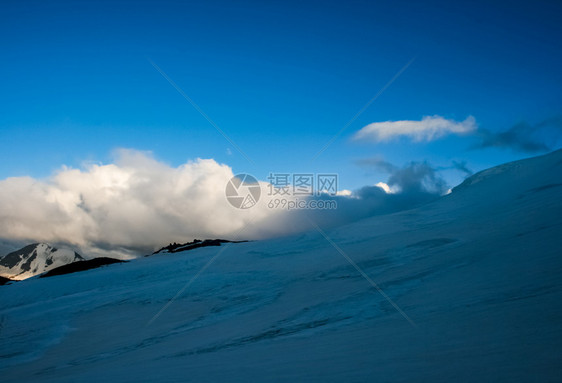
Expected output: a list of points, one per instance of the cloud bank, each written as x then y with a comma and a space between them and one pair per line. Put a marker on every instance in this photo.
429, 128
129, 207
138, 204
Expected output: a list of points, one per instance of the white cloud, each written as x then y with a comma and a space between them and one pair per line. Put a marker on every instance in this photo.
138, 204
133, 205
344, 193
385, 187
428, 129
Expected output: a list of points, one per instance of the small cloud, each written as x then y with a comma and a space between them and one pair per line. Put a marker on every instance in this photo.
344, 193
377, 163
523, 136
228, 151
417, 177
385, 187
462, 167
413, 177
429, 128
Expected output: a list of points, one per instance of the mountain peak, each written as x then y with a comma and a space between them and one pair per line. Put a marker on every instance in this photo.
35, 259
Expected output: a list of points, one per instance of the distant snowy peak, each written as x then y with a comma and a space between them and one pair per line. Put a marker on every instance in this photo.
35, 259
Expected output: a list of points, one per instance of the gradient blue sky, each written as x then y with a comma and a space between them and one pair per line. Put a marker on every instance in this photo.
280, 78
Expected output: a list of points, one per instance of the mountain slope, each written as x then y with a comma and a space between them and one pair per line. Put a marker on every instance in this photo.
471, 291
35, 259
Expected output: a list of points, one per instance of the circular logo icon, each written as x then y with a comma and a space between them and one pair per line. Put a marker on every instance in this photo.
243, 191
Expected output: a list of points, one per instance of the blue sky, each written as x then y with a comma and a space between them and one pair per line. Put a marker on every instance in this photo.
281, 79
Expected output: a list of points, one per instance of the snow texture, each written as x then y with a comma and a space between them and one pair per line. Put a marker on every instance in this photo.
477, 272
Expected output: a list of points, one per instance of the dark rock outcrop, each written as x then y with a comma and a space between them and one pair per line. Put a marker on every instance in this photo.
81, 266
196, 243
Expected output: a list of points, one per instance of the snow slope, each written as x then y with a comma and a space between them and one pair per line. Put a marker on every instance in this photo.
477, 272
35, 259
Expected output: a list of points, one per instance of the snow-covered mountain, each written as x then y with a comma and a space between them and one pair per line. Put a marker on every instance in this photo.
466, 288
35, 259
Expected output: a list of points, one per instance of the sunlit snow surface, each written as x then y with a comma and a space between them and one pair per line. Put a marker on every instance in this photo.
479, 272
